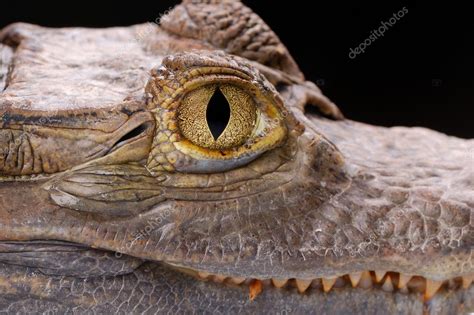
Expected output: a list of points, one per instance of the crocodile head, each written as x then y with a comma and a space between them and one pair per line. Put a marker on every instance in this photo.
219, 180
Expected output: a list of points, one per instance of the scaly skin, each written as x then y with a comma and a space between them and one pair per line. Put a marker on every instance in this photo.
95, 219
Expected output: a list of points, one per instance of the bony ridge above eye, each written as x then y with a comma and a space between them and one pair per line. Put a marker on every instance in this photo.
187, 89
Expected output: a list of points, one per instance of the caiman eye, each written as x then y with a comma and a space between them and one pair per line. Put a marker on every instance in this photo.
214, 113
217, 116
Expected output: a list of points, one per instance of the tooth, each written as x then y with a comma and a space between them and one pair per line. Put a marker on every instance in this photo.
328, 283
255, 288
279, 283
467, 280
417, 284
388, 285
432, 286
237, 280
379, 274
403, 280
355, 278
452, 284
203, 275
403, 290
302, 285
219, 278
365, 280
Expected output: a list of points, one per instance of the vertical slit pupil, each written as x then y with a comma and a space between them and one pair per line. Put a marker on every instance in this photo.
217, 113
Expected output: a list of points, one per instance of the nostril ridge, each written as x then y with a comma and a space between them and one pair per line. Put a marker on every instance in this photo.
131, 134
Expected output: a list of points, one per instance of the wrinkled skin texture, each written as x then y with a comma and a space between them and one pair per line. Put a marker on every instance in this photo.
91, 219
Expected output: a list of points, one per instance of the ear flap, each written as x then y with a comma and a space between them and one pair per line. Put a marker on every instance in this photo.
231, 26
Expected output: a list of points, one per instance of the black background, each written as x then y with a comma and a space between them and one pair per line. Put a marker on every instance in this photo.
419, 74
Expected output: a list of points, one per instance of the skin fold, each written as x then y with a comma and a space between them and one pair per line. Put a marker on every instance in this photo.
106, 207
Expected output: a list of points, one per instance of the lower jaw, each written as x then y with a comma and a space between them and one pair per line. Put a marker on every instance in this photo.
176, 292
393, 282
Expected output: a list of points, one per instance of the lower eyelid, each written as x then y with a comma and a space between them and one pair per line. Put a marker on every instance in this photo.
214, 166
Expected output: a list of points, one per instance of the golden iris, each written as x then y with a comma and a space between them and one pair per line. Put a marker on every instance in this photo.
211, 121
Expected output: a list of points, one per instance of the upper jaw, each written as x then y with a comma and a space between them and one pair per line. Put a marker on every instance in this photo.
350, 197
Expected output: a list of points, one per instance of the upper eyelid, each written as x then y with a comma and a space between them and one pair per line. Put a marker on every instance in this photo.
184, 70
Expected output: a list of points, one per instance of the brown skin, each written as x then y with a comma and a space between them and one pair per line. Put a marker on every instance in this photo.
329, 197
